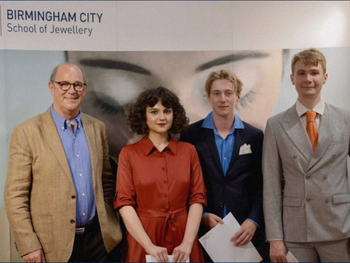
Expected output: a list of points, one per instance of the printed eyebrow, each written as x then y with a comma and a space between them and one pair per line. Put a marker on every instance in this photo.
230, 58
114, 64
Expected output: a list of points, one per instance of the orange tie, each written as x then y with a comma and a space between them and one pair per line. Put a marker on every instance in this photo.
311, 129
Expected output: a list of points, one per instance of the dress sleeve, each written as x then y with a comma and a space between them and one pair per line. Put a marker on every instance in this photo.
125, 188
197, 187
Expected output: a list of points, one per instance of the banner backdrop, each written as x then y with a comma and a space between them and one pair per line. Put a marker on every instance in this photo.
127, 47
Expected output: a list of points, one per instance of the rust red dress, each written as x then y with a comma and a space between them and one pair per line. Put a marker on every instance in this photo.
160, 186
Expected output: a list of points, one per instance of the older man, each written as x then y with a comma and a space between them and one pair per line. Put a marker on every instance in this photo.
59, 186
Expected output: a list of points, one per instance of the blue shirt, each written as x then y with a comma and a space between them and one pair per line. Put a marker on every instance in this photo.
224, 146
78, 156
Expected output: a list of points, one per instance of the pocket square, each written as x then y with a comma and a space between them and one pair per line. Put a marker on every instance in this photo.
245, 149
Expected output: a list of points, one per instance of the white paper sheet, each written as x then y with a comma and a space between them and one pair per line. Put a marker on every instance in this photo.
219, 247
290, 257
150, 258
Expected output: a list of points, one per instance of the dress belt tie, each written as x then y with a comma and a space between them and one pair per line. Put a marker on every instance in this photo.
169, 221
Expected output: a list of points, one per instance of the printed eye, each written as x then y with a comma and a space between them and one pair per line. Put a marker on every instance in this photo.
107, 108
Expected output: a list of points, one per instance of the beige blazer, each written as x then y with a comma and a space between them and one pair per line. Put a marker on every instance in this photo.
39, 191
315, 204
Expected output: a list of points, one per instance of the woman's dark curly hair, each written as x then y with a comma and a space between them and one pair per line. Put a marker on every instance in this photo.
136, 116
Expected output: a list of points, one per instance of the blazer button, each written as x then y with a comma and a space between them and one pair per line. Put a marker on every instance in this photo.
73, 196
308, 199
221, 205
307, 177
72, 221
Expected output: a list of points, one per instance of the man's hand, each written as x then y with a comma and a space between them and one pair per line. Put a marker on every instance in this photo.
35, 256
244, 234
278, 251
210, 220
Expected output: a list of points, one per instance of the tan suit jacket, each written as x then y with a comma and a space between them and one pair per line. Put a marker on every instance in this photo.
315, 204
40, 197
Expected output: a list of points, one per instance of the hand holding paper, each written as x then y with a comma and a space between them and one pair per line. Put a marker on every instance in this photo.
149, 258
211, 220
219, 247
245, 233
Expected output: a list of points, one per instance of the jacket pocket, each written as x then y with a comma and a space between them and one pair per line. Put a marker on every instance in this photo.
341, 199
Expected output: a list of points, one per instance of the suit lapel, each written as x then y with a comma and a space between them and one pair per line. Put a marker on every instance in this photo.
295, 130
53, 141
91, 140
210, 140
239, 134
325, 137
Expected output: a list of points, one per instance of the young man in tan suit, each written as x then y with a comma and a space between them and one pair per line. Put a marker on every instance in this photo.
306, 190
59, 188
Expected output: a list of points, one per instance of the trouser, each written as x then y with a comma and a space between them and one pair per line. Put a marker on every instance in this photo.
329, 251
88, 245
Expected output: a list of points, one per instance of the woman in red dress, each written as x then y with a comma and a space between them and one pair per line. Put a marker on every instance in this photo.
160, 190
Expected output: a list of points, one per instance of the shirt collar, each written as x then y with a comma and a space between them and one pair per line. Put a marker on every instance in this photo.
301, 109
61, 122
209, 123
148, 147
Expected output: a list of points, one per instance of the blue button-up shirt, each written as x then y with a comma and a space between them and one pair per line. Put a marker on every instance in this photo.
78, 156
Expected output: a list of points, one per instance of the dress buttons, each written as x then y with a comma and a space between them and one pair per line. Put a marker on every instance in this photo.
163, 168
164, 181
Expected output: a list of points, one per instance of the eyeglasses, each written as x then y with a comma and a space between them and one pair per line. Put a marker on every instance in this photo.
65, 85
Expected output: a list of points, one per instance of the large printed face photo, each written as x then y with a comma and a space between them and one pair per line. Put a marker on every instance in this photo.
116, 78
